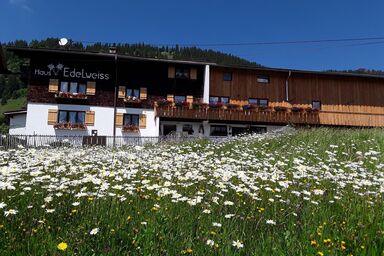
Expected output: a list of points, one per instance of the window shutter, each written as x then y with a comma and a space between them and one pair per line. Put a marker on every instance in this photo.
53, 85
143, 93
171, 72
121, 92
119, 120
189, 99
193, 74
91, 88
90, 118
170, 98
143, 121
52, 116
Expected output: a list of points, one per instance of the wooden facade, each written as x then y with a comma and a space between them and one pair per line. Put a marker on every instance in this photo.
346, 99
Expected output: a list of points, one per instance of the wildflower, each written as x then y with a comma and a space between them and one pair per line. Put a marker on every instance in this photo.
206, 211
62, 246
237, 244
10, 212
215, 224
228, 203
2, 205
319, 254
210, 243
313, 243
343, 245
50, 210
144, 223
271, 222
228, 216
327, 242
94, 231
75, 203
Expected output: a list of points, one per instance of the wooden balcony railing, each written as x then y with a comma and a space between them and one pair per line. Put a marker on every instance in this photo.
269, 116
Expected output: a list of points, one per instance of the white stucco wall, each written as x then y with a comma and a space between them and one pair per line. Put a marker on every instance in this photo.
206, 84
17, 124
37, 120
153, 123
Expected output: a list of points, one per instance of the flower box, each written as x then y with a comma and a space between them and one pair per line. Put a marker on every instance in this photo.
130, 128
250, 107
183, 104
70, 126
296, 109
280, 109
217, 105
264, 108
164, 103
132, 99
233, 106
69, 95
199, 105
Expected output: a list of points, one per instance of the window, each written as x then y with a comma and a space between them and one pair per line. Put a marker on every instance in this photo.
179, 99
219, 130
215, 100
316, 104
132, 93
72, 117
258, 102
227, 77
182, 73
224, 100
263, 79
72, 87
188, 128
131, 120
263, 102
252, 101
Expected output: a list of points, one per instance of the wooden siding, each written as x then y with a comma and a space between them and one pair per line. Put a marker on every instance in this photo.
345, 100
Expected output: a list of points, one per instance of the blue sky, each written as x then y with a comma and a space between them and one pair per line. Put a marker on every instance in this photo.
213, 22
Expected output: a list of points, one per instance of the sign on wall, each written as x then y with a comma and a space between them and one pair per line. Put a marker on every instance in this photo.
60, 70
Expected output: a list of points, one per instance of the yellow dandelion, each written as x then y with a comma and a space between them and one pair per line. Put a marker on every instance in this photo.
313, 243
320, 254
343, 245
62, 246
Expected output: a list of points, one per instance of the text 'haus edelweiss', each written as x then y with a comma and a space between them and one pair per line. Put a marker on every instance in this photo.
83, 93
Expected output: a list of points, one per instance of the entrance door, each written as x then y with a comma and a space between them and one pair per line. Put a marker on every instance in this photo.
169, 129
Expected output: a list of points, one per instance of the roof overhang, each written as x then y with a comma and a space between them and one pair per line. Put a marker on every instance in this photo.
15, 112
39, 52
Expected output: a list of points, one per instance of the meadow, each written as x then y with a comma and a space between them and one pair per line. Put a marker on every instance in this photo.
305, 192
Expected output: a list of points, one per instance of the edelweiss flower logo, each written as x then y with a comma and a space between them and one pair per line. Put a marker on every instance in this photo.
55, 69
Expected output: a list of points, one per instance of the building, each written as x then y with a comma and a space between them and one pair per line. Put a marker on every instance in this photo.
83, 93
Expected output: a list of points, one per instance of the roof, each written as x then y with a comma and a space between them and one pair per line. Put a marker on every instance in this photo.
15, 112
28, 52
285, 70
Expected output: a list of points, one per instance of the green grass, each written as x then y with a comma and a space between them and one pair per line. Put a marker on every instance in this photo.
322, 187
12, 104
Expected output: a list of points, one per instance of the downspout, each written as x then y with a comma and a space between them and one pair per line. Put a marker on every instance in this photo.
115, 104
287, 87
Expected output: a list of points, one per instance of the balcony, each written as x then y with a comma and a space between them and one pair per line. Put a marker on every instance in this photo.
237, 115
